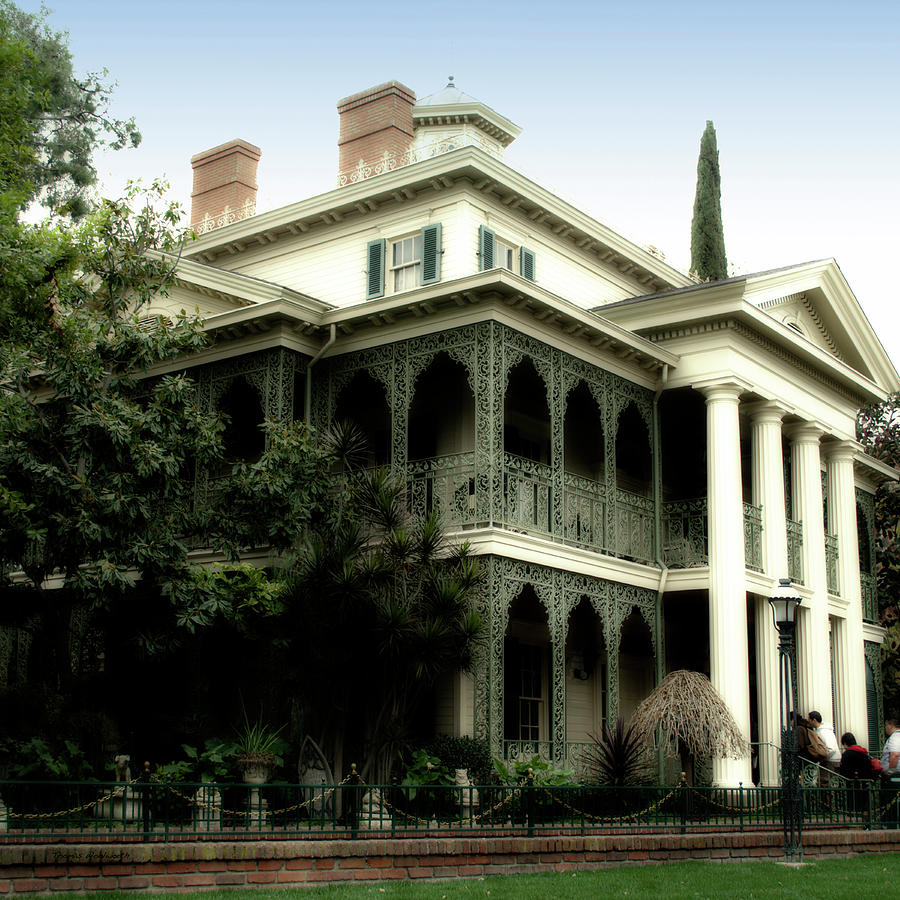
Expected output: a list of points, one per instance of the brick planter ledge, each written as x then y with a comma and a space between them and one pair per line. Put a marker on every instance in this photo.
193, 865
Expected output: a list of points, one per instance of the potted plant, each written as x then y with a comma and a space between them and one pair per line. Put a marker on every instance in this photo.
258, 749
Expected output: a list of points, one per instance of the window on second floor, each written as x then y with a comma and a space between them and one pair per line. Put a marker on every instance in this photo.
497, 253
403, 263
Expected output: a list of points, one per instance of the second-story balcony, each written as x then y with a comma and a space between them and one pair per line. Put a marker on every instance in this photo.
452, 486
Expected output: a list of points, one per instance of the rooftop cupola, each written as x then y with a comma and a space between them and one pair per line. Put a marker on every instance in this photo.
385, 127
450, 115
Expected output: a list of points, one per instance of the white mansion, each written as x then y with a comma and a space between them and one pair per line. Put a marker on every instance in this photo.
636, 457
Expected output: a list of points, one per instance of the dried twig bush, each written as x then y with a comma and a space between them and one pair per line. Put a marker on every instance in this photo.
691, 716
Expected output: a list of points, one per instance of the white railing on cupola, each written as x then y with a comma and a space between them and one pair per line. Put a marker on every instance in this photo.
389, 162
226, 217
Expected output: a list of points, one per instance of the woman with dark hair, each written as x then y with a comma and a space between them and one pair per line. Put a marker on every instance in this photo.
856, 765
855, 762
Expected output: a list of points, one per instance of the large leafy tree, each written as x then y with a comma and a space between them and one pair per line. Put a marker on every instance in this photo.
879, 430
708, 260
97, 450
51, 119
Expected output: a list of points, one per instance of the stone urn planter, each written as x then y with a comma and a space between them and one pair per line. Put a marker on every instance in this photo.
257, 768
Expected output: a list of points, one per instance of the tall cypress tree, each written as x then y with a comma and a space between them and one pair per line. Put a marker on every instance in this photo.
707, 238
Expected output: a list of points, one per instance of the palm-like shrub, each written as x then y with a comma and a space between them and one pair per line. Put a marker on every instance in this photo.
383, 606
619, 758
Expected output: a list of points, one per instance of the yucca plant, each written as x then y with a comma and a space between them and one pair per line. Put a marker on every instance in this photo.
619, 758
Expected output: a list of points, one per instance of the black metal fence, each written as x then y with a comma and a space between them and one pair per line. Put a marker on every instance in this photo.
162, 811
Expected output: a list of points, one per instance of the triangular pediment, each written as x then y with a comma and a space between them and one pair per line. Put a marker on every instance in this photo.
801, 313
814, 301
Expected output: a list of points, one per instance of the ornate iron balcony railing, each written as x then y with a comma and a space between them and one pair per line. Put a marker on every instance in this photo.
684, 534
527, 495
831, 563
794, 543
753, 537
584, 515
634, 526
868, 585
391, 161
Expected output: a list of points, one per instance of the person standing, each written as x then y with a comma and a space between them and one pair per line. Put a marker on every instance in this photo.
826, 733
890, 755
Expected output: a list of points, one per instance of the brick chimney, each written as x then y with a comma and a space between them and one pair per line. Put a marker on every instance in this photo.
373, 122
224, 184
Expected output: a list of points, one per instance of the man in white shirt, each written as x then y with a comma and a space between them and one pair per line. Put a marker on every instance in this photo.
826, 733
890, 755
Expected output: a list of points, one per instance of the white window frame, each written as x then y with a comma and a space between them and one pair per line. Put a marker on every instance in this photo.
409, 268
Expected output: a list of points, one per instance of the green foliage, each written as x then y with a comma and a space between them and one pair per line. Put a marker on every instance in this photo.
468, 753
535, 770
878, 429
383, 607
100, 454
619, 758
212, 763
708, 260
268, 503
260, 739
423, 772
51, 120
37, 760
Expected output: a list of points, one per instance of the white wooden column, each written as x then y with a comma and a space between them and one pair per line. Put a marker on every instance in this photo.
850, 688
768, 493
727, 594
813, 652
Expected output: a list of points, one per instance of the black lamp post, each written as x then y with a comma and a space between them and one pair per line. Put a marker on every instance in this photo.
784, 603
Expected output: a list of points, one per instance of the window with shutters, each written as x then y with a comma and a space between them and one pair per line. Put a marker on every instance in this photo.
403, 263
498, 253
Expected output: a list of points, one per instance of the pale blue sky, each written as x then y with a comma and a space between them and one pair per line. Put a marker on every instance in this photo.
612, 99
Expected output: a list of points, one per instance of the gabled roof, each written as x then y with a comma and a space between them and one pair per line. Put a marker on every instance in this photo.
844, 342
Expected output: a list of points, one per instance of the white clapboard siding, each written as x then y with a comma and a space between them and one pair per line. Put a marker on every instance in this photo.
191, 302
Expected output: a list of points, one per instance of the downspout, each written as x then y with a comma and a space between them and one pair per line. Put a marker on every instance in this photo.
307, 400
660, 556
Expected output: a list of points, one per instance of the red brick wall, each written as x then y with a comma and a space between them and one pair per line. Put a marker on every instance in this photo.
190, 865
374, 121
223, 176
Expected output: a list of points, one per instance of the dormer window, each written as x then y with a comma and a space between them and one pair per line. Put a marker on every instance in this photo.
409, 261
497, 253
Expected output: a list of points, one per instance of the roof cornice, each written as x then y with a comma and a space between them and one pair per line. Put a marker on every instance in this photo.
513, 292
408, 183
661, 315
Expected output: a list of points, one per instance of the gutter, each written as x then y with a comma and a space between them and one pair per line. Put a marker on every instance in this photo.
307, 400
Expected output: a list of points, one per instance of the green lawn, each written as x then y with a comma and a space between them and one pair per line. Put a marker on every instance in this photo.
874, 875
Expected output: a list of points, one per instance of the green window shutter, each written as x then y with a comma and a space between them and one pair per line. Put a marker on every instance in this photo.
485, 248
526, 263
431, 254
375, 272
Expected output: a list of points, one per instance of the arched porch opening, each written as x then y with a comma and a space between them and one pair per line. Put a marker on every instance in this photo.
441, 468
634, 487
526, 451
586, 675
585, 463
636, 664
243, 439
527, 713
364, 403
